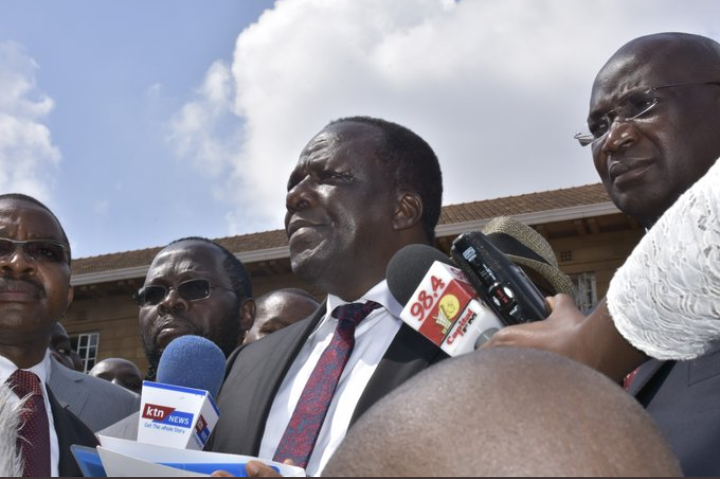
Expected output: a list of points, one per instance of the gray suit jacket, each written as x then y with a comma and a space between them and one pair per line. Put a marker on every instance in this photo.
98, 403
256, 371
126, 428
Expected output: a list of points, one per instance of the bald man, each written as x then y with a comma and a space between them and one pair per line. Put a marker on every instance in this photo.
120, 372
505, 412
278, 309
653, 128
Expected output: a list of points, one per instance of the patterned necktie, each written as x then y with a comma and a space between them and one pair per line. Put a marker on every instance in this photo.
302, 432
34, 430
628, 380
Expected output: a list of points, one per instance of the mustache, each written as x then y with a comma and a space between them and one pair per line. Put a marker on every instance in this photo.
175, 321
31, 285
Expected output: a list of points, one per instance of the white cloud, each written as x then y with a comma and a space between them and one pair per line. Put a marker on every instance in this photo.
198, 132
28, 157
497, 87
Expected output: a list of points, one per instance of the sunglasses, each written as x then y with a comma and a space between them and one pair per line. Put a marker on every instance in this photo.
41, 251
191, 290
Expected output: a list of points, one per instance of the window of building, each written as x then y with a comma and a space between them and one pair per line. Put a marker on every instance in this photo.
566, 256
585, 291
86, 345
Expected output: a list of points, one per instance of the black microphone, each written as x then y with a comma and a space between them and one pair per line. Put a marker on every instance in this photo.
500, 283
459, 308
439, 301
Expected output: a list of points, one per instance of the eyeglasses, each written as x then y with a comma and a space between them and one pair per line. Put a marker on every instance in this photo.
192, 290
42, 251
630, 108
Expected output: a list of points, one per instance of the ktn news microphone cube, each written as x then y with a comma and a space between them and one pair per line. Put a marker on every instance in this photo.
176, 416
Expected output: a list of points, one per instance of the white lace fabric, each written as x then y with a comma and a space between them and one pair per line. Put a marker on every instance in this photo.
665, 299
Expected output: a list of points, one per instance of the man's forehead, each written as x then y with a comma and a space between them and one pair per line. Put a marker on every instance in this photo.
341, 133
36, 221
186, 256
654, 61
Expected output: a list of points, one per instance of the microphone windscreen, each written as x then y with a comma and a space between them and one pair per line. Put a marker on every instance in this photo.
192, 362
408, 268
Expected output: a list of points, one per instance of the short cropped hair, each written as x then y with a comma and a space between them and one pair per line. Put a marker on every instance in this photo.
30, 199
412, 163
235, 269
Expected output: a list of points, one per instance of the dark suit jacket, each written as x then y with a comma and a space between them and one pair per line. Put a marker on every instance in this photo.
256, 371
70, 430
683, 398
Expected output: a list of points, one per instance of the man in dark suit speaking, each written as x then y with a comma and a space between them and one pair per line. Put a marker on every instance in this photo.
362, 189
34, 293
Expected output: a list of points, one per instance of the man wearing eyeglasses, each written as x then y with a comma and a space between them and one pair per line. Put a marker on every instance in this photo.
654, 130
194, 286
35, 291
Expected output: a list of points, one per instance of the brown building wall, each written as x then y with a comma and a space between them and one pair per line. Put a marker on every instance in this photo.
600, 254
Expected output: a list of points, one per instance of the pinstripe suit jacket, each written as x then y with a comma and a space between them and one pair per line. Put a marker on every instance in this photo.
98, 403
683, 398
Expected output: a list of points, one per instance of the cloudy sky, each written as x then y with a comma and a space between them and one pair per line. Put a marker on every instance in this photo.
139, 122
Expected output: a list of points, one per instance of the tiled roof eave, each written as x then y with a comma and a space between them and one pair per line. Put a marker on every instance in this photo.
141, 271
533, 218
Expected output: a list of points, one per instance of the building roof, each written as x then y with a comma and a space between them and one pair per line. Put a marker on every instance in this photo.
273, 244
523, 204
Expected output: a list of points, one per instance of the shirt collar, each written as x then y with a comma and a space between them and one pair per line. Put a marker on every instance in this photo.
380, 293
41, 369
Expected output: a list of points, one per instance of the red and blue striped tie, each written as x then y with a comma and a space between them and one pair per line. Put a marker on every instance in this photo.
302, 432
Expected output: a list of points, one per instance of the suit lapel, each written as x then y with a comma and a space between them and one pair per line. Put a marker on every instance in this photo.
276, 377
68, 433
408, 354
64, 386
644, 374
255, 373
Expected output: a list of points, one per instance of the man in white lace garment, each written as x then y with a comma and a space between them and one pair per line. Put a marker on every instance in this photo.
654, 130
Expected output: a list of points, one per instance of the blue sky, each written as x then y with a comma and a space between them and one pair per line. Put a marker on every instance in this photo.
140, 122
117, 72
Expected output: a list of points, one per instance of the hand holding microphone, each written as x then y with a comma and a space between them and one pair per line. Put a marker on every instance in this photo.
459, 305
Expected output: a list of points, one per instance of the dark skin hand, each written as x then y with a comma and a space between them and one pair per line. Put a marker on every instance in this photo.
255, 469
591, 340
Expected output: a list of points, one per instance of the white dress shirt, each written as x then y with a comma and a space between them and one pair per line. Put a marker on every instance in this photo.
372, 339
42, 370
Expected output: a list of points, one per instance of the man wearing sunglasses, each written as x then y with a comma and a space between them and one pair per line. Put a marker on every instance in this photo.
654, 127
194, 286
35, 291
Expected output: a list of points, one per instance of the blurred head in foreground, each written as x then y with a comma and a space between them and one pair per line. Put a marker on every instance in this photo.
505, 412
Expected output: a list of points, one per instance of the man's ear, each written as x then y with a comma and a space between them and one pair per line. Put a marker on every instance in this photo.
247, 317
408, 210
70, 296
